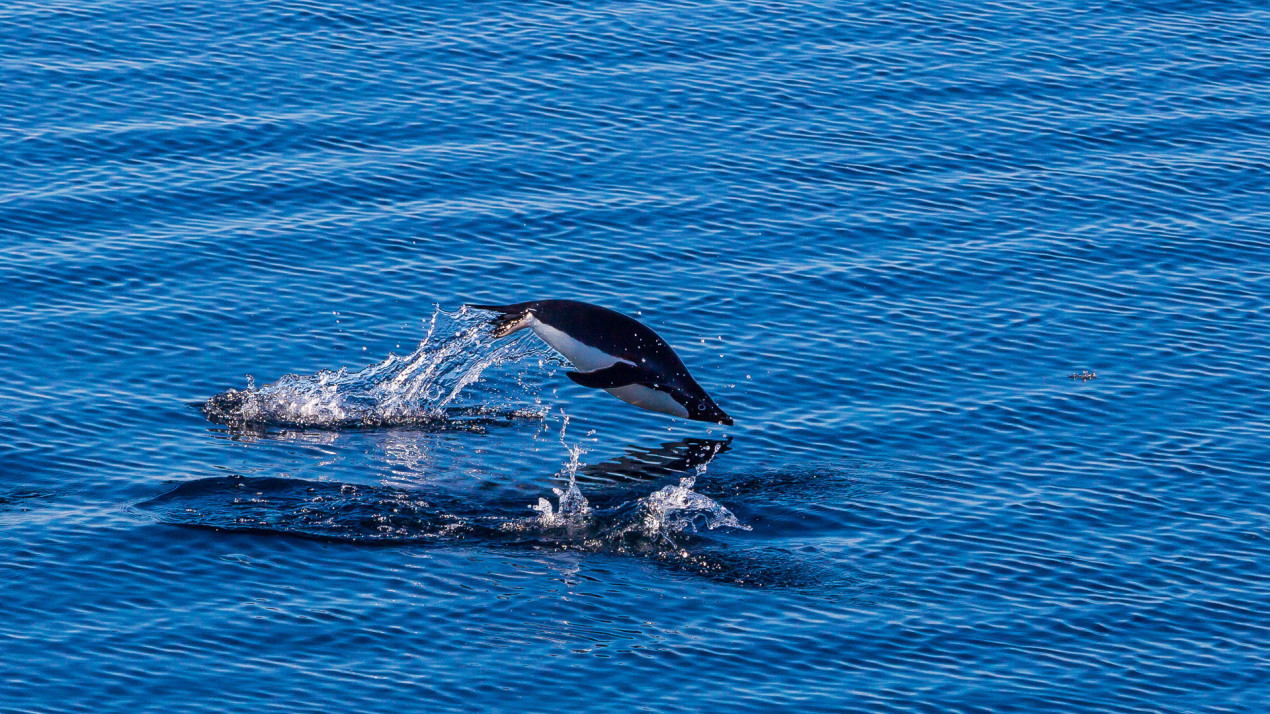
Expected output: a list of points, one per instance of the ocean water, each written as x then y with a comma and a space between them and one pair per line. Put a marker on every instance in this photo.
986, 288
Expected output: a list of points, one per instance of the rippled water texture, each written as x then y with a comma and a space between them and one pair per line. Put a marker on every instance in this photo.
984, 287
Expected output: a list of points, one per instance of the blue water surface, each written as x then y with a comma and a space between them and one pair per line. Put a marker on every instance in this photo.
985, 286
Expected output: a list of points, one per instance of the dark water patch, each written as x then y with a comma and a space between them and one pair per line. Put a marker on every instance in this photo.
658, 504
22, 499
670, 525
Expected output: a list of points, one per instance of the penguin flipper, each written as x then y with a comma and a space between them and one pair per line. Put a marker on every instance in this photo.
618, 375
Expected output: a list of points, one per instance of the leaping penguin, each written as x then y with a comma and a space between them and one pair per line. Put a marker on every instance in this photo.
612, 352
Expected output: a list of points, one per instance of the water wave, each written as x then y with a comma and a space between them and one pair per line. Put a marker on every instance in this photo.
432, 387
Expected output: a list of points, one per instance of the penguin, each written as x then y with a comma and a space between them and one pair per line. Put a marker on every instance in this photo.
612, 352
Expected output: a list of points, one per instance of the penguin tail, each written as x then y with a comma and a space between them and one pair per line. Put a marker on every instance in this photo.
511, 318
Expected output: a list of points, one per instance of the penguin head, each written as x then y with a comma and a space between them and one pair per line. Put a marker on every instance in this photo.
701, 407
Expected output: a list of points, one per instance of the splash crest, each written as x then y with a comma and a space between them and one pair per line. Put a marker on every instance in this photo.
433, 386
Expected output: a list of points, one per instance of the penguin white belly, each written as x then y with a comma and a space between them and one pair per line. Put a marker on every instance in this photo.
585, 357
588, 359
649, 398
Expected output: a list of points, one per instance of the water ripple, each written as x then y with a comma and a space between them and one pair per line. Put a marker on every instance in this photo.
883, 235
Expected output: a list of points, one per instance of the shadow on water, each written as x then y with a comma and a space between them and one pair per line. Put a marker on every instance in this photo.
667, 521
646, 464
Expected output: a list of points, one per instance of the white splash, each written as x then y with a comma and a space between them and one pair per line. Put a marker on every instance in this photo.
423, 386
653, 520
572, 508
676, 509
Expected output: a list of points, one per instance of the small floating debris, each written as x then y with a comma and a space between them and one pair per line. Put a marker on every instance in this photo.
1084, 375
